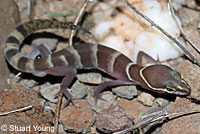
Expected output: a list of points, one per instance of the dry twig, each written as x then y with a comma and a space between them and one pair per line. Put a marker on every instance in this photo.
83, 7
32, 4
57, 115
180, 28
17, 110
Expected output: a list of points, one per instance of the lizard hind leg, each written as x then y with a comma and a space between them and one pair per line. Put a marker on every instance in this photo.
143, 59
41, 50
103, 86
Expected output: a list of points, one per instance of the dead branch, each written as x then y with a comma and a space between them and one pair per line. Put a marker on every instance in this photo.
17, 110
81, 11
180, 28
57, 115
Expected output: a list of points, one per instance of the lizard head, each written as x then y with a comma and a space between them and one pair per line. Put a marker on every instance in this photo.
163, 79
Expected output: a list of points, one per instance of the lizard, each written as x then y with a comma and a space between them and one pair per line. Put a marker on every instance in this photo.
158, 78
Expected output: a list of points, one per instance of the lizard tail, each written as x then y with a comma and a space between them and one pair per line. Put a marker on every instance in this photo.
17, 36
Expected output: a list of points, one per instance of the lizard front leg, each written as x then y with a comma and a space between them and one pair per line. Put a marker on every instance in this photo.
69, 73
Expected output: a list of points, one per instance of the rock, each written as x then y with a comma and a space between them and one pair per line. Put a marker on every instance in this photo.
93, 130
161, 101
128, 92
112, 119
187, 124
77, 118
90, 77
108, 100
29, 83
133, 108
78, 90
146, 99
49, 92
49, 109
10, 18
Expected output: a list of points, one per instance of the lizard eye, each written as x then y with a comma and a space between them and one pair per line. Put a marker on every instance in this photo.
38, 57
170, 89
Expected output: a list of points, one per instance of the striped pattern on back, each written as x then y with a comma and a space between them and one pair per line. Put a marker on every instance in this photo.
87, 56
80, 56
113, 62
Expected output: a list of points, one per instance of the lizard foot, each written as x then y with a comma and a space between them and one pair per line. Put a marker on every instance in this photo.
67, 95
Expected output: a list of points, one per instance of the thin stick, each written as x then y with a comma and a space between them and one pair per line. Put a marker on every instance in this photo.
181, 30
17, 110
57, 116
83, 7
17, 75
187, 53
163, 117
31, 10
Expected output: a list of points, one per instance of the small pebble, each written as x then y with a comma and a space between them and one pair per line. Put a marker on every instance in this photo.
77, 119
49, 92
127, 92
108, 100
78, 90
161, 101
112, 119
90, 77
146, 99
29, 83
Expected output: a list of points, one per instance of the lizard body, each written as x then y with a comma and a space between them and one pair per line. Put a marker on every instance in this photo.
158, 78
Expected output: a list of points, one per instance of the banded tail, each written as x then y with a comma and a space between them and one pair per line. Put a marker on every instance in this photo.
17, 36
